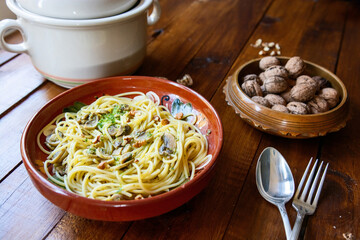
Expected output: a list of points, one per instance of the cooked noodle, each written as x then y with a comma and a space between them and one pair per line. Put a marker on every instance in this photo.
122, 148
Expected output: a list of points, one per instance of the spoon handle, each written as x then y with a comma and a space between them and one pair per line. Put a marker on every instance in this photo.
285, 219
297, 226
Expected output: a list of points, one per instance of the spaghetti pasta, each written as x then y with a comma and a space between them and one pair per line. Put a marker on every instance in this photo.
120, 148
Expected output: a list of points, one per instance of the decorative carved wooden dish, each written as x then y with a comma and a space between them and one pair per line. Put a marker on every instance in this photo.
286, 124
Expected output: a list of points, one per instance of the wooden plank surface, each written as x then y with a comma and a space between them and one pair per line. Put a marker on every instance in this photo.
208, 39
18, 79
15, 122
315, 17
341, 211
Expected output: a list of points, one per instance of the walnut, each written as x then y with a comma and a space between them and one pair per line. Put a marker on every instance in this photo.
321, 82
295, 66
261, 100
330, 95
275, 99
318, 105
304, 79
280, 108
303, 92
252, 77
262, 77
275, 84
286, 95
276, 71
252, 88
298, 108
269, 61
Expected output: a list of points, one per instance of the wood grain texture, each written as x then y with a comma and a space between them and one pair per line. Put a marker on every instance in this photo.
23, 210
175, 47
339, 211
18, 79
297, 152
207, 39
15, 122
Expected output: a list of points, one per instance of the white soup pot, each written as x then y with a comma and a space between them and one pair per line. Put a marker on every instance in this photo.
77, 9
72, 52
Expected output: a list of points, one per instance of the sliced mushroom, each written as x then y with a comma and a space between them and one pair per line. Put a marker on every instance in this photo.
100, 152
169, 140
118, 142
112, 130
125, 160
143, 136
82, 118
117, 152
49, 130
169, 144
61, 169
123, 130
125, 157
92, 122
165, 151
52, 140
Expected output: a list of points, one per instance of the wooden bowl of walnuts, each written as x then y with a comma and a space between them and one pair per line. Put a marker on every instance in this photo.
288, 97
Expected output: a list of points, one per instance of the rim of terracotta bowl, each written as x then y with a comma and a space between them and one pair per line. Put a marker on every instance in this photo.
123, 203
140, 8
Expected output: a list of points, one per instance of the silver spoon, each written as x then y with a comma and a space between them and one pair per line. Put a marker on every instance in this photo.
275, 182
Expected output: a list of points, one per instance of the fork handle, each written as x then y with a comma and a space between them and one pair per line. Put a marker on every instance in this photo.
285, 219
297, 226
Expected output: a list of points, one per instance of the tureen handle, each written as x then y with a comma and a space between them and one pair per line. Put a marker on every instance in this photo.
10, 24
155, 15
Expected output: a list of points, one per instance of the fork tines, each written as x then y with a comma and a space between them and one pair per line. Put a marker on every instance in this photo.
314, 183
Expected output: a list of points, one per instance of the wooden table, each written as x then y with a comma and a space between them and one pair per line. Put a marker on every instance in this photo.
208, 39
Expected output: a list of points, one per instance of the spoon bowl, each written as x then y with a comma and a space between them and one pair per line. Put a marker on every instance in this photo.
275, 182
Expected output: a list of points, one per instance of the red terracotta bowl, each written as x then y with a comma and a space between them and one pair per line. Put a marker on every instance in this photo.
126, 210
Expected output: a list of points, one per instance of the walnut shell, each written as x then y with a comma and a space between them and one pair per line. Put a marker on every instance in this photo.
262, 77
295, 66
330, 95
275, 99
286, 95
279, 71
297, 108
252, 77
280, 108
318, 105
275, 84
261, 100
252, 88
321, 82
268, 61
303, 92
304, 79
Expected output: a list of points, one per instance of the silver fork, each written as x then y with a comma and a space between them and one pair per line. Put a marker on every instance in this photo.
307, 207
